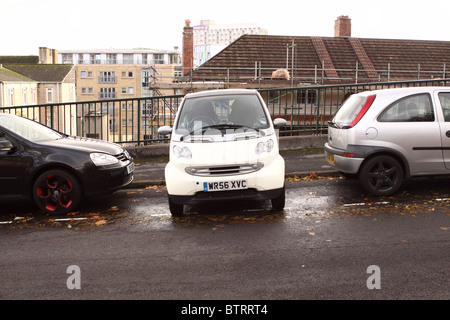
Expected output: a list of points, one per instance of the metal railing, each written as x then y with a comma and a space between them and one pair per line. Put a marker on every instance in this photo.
317, 74
135, 121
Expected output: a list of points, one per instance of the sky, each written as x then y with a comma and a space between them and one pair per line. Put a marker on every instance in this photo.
27, 25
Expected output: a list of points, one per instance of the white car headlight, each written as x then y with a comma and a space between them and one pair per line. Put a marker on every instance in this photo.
103, 159
184, 152
264, 147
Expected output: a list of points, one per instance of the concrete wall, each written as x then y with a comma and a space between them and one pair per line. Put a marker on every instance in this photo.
286, 143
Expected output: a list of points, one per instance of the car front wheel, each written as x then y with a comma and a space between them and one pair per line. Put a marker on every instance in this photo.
57, 192
175, 209
279, 202
381, 175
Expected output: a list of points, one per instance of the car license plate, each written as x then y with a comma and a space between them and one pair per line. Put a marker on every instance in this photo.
330, 158
225, 185
130, 168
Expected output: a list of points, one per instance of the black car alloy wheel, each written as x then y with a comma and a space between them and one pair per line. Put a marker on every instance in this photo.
57, 192
381, 175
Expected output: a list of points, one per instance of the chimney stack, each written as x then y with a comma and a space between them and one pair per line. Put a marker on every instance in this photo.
188, 47
343, 27
48, 56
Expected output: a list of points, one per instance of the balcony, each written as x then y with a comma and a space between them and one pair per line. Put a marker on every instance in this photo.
107, 79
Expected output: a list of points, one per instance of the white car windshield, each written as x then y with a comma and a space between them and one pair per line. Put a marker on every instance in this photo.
28, 129
222, 113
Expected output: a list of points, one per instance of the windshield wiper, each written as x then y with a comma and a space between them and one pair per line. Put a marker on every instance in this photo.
221, 127
332, 123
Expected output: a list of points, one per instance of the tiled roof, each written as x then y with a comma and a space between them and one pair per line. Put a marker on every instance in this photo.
404, 58
42, 72
19, 59
8, 75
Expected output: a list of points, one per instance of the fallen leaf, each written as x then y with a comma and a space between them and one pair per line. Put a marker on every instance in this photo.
100, 222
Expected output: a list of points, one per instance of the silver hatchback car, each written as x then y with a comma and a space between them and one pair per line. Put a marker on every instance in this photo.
384, 136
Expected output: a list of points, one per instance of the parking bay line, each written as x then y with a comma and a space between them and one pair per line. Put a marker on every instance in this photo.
365, 203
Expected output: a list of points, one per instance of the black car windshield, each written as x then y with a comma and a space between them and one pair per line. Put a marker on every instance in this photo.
28, 129
223, 112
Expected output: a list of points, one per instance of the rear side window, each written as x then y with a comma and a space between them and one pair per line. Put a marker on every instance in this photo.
444, 98
415, 108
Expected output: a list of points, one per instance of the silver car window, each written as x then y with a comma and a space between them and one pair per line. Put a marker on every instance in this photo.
409, 109
444, 98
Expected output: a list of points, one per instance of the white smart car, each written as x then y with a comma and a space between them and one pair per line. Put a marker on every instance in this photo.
223, 146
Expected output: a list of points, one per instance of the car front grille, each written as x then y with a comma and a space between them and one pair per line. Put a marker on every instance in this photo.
214, 171
124, 156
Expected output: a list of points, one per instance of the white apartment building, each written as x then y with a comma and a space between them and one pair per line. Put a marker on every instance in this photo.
119, 56
211, 38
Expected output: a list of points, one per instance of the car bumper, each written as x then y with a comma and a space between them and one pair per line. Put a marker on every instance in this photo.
266, 183
247, 194
341, 161
107, 180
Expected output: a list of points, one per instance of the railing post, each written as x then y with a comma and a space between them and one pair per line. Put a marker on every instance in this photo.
139, 122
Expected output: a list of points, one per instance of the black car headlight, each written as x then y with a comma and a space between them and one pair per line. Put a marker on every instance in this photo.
103, 159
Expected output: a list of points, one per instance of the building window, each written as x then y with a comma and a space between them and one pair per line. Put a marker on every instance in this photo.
25, 96
111, 58
146, 77
94, 58
83, 74
128, 58
33, 95
85, 90
112, 125
130, 90
107, 77
158, 58
67, 58
11, 96
49, 95
127, 74
107, 93
80, 58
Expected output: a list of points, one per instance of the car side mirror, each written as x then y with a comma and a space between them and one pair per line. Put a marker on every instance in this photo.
6, 145
279, 122
165, 130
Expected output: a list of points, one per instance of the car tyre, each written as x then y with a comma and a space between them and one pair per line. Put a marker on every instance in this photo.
175, 209
279, 202
381, 175
57, 192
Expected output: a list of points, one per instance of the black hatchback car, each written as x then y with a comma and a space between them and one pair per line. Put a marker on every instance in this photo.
57, 170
